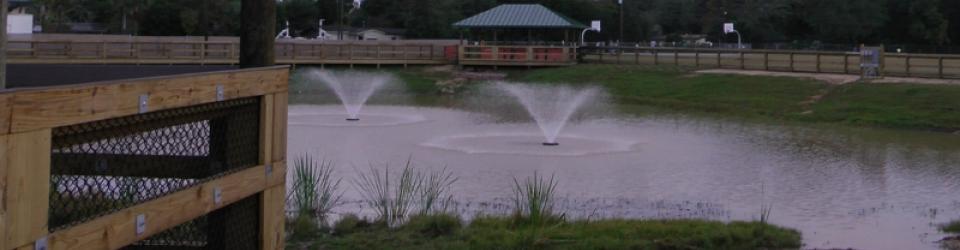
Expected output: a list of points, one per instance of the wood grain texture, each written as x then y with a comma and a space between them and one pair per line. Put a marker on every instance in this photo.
3, 187
266, 129
281, 100
34, 109
272, 217
5, 111
117, 230
27, 189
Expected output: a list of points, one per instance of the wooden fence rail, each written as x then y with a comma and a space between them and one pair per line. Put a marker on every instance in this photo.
906, 65
28, 118
218, 52
497, 55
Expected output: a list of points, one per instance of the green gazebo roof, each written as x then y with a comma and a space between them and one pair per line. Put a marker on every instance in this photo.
520, 16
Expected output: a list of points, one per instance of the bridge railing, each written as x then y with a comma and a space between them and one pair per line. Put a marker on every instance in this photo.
517, 55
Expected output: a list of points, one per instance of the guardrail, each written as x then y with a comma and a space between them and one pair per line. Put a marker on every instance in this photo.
906, 65
186, 161
218, 52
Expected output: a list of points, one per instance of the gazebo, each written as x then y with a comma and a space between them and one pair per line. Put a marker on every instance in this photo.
512, 20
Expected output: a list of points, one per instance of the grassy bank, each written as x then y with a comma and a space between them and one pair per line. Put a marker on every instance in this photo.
412, 210
908, 106
953, 227
449, 232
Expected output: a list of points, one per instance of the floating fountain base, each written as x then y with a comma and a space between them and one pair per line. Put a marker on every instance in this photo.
551, 144
353, 119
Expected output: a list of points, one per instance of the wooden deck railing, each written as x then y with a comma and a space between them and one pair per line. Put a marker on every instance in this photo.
907, 65
29, 165
517, 55
219, 52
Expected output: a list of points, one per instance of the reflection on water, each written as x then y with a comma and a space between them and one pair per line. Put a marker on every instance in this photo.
842, 187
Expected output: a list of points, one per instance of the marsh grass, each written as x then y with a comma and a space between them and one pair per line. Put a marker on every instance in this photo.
435, 197
392, 200
534, 199
314, 192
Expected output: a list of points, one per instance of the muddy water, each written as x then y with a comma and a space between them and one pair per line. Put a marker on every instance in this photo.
841, 187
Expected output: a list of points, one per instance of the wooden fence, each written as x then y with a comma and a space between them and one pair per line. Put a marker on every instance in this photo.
218, 52
519, 55
906, 65
31, 120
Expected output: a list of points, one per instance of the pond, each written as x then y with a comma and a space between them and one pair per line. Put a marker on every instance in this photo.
840, 186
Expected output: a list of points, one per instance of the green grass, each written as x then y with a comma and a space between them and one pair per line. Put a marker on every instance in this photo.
447, 232
678, 89
926, 106
904, 106
952, 227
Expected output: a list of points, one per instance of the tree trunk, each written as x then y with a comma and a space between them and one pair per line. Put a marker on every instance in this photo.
258, 24
3, 45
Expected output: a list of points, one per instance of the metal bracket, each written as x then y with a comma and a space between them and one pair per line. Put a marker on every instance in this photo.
144, 100
217, 195
269, 170
41, 244
141, 223
220, 96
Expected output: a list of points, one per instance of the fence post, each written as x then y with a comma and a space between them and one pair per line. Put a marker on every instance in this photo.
766, 61
656, 57
636, 56
940, 67
743, 60
600, 53
676, 57
818, 62
103, 52
791, 63
908, 65
846, 63
619, 55
719, 59
696, 59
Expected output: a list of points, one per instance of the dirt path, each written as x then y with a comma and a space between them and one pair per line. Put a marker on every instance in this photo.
830, 78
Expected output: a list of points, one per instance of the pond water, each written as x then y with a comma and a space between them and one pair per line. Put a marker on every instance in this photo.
841, 187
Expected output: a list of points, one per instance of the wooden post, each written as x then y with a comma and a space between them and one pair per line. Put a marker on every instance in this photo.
791, 62
656, 57
27, 189
742, 61
818, 62
719, 60
258, 23
908, 65
3, 49
766, 61
636, 56
940, 67
846, 64
696, 58
676, 57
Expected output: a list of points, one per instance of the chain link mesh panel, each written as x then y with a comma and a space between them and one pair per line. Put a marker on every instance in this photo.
101, 167
234, 227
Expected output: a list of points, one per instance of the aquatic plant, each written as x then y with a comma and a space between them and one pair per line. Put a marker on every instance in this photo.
391, 203
314, 192
534, 198
434, 193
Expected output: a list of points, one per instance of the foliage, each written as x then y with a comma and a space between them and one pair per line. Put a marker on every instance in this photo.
848, 22
953, 227
435, 197
534, 198
314, 192
391, 202
443, 232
